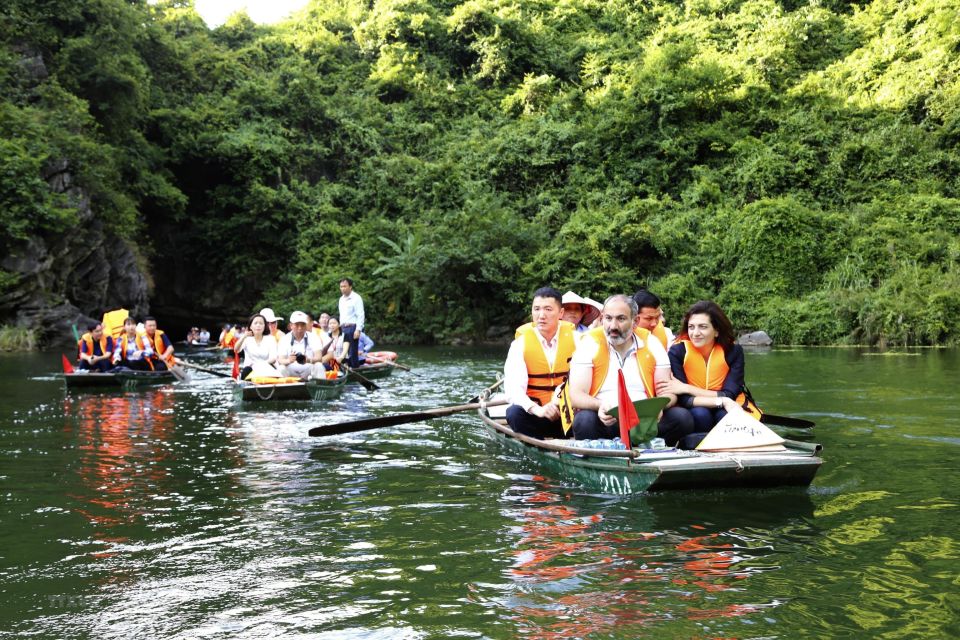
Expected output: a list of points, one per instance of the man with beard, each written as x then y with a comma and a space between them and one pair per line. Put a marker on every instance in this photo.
618, 344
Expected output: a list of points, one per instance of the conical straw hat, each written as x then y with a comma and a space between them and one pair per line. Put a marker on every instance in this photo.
739, 431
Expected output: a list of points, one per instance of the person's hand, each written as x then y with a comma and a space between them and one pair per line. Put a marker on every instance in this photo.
604, 415
672, 398
549, 411
249, 333
356, 334
671, 387
730, 405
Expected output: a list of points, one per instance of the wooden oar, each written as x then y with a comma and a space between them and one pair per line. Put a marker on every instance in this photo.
787, 421
178, 372
367, 383
782, 421
401, 418
190, 365
496, 384
389, 362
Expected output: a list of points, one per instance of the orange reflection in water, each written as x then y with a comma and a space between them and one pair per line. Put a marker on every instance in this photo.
577, 582
122, 442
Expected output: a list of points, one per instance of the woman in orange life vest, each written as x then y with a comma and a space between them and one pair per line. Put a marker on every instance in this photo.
707, 366
133, 350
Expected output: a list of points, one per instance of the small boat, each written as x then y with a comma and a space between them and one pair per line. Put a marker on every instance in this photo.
315, 390
620, 471
374, 371
126, 380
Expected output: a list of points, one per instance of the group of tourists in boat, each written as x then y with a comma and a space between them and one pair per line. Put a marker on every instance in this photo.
309, 349
138, 347
566, 368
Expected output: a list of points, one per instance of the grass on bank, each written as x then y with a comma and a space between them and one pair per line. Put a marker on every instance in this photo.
17, 339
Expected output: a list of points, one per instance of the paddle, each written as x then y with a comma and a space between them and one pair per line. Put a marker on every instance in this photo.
496, 384
178, 373
190, 365
787, 421
389, 362
401, 418
783, 421
367, 384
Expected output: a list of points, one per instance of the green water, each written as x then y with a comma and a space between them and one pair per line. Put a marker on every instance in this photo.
173, 513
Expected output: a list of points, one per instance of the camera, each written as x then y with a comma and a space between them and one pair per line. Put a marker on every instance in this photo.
301, 358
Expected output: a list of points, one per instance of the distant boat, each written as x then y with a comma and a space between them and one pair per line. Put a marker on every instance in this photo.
126, 380
619, 471
311, 390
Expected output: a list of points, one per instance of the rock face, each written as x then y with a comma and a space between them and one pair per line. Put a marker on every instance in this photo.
71, 278
755, 339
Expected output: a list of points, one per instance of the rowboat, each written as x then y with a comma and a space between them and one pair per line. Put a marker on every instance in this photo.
115, 380
311, 390
373, 371
623, 472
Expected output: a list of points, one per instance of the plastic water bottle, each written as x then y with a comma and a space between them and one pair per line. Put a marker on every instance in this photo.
658, 443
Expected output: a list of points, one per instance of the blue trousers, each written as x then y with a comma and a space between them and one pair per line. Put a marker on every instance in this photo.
353, 354
534, 426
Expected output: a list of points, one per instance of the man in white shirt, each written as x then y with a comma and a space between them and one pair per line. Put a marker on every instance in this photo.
299, 350
536, 364
603, 352
352, 318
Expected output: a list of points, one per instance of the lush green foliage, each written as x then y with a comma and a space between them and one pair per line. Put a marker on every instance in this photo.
797, 161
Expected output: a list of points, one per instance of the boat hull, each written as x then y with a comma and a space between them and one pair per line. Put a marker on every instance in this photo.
309, 391
374, 371
668, 469
114, 381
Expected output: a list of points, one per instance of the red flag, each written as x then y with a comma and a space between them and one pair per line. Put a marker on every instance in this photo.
236, 366
67, 367
627, 414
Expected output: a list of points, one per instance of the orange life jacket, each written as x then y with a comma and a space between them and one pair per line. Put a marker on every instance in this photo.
229, 338
711, 373
660, 333
122, 342
88, 339
158, 346
646, 363
542, 376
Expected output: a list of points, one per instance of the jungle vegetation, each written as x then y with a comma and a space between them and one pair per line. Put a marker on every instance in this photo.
795, 160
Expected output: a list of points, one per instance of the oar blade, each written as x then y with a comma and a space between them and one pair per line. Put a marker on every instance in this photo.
787, 421
369, 423
368, 384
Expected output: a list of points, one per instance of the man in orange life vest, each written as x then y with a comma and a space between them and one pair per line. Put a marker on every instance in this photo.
161, 344
95, 349
649, 317
594, 373
538, 362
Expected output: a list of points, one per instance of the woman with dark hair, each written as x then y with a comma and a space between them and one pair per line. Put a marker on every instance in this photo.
259, 349
707, 366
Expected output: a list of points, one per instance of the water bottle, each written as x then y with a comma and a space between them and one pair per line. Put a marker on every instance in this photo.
658, 443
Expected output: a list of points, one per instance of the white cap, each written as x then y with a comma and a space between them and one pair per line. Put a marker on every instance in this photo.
267, 314
298, 316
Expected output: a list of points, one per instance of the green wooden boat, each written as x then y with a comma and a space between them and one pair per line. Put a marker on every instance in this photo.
623, 472
311, 390
127, 380
374, 371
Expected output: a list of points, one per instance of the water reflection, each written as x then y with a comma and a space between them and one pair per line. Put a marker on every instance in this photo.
124, 446
619, 568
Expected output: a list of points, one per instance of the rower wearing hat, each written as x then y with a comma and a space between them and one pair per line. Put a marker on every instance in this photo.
580, 312
273, 322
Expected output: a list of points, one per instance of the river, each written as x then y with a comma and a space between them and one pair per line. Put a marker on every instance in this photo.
174, 513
